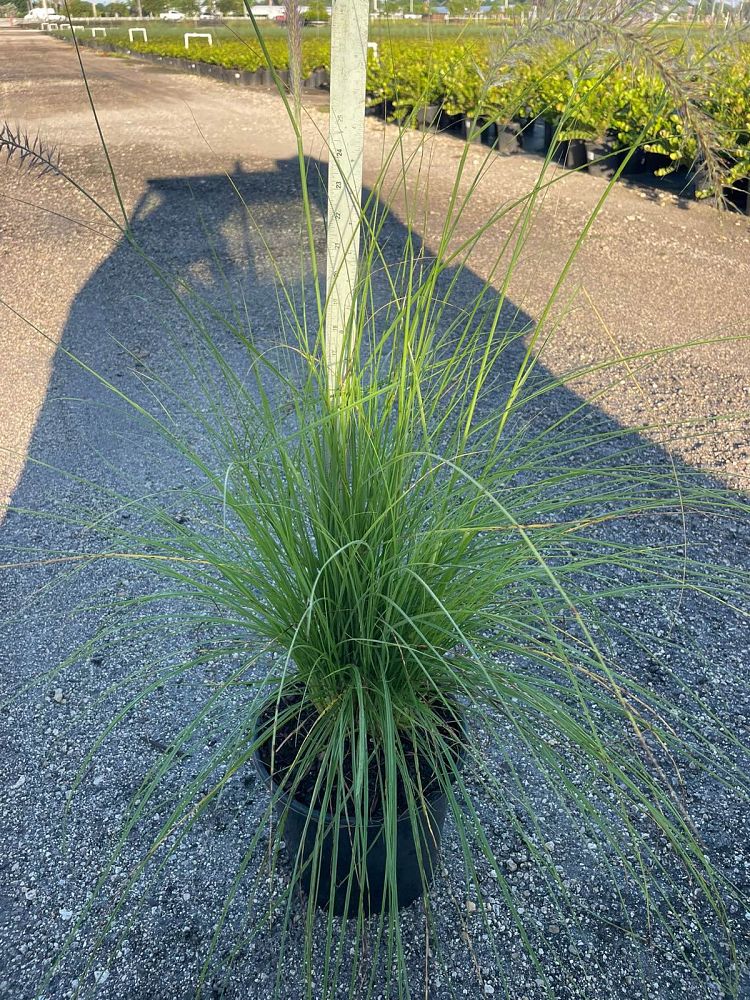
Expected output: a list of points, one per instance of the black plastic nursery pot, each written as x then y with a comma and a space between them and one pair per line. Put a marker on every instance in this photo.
507, 138
530, 139
418, 842
659, 161
606, 156
428, 117
474, 129
317, 80
453, 124
737, 196
380, 109
535, 135
571, 154
602, 158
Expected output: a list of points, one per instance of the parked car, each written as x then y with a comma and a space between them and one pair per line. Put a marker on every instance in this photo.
171, 15
269, 12
41, 15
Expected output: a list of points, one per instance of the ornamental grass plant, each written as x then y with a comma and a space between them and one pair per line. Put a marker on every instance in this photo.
417, 581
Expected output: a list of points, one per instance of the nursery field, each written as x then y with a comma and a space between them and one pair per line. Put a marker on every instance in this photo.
241, 30
657, 451
465, 74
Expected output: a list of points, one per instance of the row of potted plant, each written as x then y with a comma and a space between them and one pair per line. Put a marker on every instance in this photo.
610, 109
238, 55
613, 108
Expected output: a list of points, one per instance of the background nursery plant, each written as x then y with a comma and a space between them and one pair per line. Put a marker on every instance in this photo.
433, 591
633, 102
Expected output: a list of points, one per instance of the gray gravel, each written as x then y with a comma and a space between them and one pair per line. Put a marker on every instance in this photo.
99, 302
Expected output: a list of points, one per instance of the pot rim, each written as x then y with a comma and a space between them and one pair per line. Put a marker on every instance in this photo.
294, 805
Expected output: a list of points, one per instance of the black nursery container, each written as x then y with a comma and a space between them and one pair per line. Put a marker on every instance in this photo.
417, 852
571, 154
317, 80
474, 129
737, 196
606, 156
428, 117
536, 136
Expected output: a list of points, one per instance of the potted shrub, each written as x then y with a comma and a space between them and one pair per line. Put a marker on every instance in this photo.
380, 83
463, 91
418, 88
316, 13
728, 103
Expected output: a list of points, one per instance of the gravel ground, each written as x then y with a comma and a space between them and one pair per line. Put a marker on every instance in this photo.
654, 273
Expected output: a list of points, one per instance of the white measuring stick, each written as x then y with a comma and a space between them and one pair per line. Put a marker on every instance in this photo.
349, 26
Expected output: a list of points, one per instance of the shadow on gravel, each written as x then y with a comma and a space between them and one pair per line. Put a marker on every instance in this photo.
229, 238
208, 231
125, 325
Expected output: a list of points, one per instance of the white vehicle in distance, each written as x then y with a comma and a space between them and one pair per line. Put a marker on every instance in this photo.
271, 12
171, 15
40, 15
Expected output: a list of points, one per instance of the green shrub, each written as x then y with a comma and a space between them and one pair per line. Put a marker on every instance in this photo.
729, 104
317, 12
